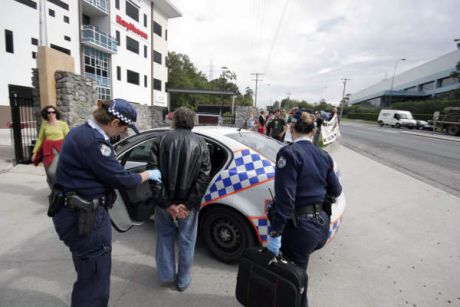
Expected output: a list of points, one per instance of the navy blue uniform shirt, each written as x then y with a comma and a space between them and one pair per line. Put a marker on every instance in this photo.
88, 166
304, 175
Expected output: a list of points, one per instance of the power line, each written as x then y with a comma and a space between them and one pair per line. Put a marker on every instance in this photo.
257, 74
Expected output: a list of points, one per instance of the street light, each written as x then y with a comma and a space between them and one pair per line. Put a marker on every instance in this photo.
393, 78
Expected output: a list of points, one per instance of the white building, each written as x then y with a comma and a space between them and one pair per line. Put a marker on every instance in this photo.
421, 82
122, 44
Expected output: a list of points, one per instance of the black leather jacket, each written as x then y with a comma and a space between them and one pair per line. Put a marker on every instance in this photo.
183, 159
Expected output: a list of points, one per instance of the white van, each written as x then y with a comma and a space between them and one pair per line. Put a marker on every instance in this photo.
396, 118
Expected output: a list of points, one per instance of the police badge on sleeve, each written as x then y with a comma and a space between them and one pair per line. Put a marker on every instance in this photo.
281, 162
105, 150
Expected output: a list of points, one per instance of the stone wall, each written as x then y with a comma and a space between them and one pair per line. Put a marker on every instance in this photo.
76, 99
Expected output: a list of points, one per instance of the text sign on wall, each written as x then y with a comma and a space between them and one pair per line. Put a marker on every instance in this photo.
130, 27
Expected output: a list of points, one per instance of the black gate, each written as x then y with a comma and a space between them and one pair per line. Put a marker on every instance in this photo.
23, 122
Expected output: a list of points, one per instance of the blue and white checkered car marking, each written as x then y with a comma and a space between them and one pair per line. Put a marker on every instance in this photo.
248, 168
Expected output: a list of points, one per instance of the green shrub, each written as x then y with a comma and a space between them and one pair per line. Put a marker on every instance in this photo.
366, 116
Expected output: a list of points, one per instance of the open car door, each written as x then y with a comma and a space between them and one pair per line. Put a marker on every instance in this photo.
136, 205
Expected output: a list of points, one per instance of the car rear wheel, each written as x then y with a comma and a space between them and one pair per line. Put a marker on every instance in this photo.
226, 233
380, 123
452, 130
398, 125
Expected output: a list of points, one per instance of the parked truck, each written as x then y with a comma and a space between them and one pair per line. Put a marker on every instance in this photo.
448, 120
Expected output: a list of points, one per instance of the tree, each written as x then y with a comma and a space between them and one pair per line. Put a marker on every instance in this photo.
183, 74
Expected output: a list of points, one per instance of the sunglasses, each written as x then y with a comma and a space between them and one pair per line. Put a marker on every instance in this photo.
51, 112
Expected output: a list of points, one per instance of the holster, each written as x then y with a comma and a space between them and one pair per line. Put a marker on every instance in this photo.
56, 201
87, 211
327, 204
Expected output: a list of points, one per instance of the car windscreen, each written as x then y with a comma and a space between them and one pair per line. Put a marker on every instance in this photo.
265, 145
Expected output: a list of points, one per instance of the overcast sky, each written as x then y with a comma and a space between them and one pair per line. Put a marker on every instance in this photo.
305, 47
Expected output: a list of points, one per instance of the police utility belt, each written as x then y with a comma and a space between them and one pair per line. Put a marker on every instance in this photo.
86, 209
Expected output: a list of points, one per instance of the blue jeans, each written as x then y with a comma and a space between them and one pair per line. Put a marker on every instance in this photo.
165, 248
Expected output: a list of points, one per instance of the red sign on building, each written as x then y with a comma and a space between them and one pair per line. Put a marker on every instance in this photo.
130, 27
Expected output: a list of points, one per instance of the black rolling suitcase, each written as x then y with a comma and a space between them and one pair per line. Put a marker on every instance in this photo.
265, 280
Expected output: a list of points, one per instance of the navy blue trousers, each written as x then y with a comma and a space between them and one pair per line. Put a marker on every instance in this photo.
91, 255
298, 243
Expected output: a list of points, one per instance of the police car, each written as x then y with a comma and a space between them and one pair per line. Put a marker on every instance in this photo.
234, 207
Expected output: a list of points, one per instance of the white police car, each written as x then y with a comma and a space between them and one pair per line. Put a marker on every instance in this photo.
233, 209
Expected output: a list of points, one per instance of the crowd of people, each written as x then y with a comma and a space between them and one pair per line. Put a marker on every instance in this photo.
277, 122
87, 172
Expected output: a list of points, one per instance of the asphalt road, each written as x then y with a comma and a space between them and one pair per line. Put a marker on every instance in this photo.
432, 160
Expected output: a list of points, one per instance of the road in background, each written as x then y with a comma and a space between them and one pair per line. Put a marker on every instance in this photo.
432, 160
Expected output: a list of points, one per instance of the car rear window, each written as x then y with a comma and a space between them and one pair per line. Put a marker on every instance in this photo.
263, 144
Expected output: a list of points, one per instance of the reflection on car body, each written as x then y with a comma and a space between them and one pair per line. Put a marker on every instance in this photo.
233, 209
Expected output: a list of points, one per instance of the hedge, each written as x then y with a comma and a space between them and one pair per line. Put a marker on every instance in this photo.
366, 116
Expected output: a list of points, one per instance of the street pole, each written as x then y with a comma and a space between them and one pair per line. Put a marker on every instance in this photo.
393, 80
342, 103
257, 74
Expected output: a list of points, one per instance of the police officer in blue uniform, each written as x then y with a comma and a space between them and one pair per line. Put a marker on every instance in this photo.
304, 177
87, 173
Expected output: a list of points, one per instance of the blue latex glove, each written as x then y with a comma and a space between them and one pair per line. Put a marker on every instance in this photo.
155, 175
274, 245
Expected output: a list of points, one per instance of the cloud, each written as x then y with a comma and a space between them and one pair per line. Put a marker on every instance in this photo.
316, 43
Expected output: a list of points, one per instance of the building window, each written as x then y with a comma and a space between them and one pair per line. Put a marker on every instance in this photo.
145, 20
66, 19
34, 55
61, 49
145, 81
132, 11
117, 37
427, 86
51, 13
118, 73
29, 3
448, 81
145, 51
86, 20
132, 77
157, 57
166, 34
9, 45
117, 4
60, 3
34, 41
132, 45
157, 84
67, 38
97, 68
157, 28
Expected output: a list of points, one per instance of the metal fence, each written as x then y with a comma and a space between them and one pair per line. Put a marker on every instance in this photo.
23, 127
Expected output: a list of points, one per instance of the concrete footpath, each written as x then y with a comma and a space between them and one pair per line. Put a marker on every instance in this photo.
397, 246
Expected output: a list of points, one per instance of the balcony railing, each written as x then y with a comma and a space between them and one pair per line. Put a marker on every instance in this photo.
98, 40
101, 5
100, 81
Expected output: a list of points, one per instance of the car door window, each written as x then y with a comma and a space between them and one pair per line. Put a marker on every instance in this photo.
138, 157
218, 156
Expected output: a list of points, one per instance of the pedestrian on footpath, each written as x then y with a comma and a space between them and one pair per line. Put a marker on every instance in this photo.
183, 159
50, 137
87, 174
304, 178
276, 128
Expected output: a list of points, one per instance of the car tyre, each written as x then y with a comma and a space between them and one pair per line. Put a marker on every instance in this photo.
453, 130
398, 125
226, 233
380, 123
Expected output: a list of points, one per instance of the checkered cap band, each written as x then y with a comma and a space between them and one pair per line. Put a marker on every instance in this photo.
120, 116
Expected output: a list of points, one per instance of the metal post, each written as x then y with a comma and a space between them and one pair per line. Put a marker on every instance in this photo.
342, 103
393, 79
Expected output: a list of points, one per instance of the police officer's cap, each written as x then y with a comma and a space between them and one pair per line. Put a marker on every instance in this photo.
124, 111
